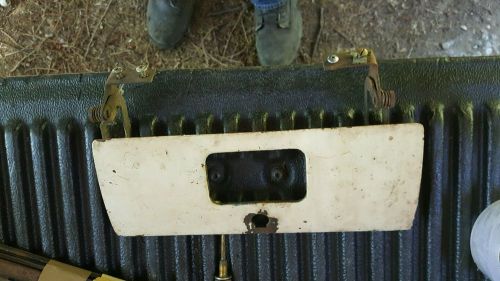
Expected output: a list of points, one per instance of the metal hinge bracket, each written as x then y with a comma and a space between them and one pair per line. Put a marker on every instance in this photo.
114, 104
381, 99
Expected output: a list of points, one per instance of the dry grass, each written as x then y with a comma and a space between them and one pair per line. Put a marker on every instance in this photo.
47, 37
88, 36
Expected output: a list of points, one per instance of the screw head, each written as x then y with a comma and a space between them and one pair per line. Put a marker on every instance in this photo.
216, 174
118, 71
332, 59
277, 174
142, 70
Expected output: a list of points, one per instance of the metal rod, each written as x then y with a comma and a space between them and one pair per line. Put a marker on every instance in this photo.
223, 265
223, 247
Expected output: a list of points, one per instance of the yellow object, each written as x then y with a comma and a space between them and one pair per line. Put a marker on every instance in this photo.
105, 277
58, 271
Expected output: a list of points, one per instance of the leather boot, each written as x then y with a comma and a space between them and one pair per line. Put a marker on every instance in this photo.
278, 34
168, 21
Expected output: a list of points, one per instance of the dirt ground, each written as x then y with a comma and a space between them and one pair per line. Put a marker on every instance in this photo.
48, 37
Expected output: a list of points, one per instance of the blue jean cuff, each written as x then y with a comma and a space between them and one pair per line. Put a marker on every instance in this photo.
268, 5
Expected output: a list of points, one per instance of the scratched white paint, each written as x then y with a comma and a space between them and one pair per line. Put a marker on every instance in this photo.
358, 179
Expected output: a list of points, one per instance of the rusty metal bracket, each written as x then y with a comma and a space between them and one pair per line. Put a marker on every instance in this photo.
114, 103
381, 99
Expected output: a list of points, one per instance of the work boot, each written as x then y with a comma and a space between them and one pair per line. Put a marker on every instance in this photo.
168, 21
278, 34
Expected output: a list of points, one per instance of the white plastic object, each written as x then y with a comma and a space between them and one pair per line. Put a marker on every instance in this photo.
485, 241
4, 3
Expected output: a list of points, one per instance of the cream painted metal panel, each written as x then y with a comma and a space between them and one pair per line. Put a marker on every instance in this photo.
358, 179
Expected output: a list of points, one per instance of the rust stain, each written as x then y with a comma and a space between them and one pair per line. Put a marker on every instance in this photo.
271, 226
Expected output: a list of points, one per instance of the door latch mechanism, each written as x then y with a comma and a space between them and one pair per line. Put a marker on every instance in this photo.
114, 106
380, 99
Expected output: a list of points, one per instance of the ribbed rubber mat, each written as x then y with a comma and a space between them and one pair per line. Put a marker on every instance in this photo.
50, 201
